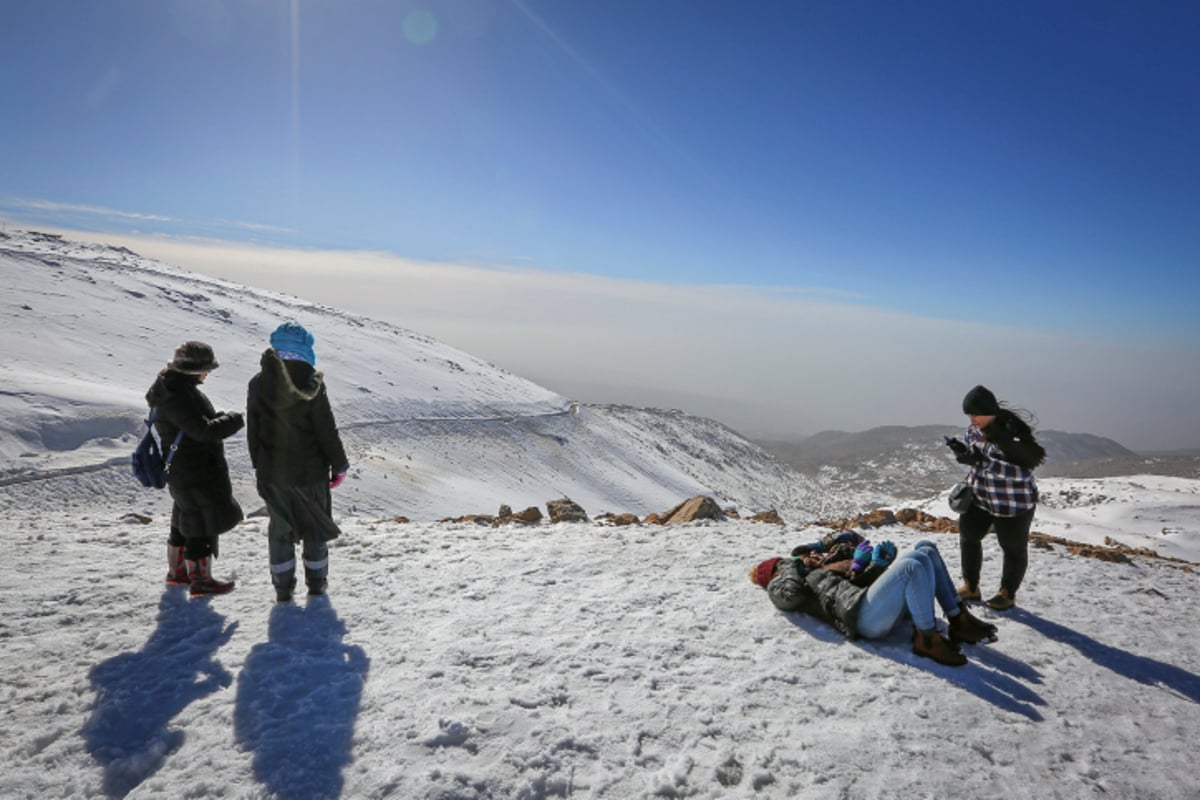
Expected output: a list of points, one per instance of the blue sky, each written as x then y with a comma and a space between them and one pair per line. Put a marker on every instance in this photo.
1019, 164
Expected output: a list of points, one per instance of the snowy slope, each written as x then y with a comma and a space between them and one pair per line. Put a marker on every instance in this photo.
1154, 512
431, 431
457, 661
571, 660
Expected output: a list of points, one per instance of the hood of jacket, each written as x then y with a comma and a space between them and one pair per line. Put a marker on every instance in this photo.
287, 383
168, 384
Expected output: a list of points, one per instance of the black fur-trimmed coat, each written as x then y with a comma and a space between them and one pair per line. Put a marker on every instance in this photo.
292, 435
199, 475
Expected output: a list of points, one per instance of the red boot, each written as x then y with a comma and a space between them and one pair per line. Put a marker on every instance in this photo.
177, 571
203, 582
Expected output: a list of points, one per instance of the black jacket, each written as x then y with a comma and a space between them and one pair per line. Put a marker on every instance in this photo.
826, 593
290, 429
199, 476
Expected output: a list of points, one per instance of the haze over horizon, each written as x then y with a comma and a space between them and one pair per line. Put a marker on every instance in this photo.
788, 218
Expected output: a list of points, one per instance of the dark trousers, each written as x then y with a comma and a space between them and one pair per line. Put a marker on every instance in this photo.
196, 548
1012, 534
298, 515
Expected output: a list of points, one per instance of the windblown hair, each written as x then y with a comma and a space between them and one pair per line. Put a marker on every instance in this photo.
1020, 422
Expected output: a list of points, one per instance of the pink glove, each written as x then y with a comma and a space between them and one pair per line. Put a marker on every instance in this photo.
337, 480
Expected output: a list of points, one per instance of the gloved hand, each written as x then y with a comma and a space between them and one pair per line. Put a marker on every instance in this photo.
883, 554
962, 453
227, 423
831, 540
862, 556
337, 479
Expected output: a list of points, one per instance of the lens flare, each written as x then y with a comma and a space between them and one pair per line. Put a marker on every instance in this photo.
420, 27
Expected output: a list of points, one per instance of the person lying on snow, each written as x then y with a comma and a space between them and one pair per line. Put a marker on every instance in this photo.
845, 580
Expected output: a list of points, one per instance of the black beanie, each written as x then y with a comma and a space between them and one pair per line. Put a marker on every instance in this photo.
980, 402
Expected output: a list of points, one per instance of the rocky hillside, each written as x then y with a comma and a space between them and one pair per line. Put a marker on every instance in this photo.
899, 463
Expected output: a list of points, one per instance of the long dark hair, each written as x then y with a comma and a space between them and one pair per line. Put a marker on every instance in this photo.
1019, 423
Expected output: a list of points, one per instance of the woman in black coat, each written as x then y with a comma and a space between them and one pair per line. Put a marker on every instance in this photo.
198, 478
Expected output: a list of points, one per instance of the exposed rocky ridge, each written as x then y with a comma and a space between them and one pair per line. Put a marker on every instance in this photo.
700, 507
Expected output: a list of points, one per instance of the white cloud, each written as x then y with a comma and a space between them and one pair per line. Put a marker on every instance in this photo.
74, 208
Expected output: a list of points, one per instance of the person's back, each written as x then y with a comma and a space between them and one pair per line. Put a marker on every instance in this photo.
297, 455
293, 438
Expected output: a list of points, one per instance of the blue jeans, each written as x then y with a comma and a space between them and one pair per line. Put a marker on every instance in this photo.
912, 583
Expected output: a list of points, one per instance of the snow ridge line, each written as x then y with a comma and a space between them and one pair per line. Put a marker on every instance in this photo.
123, 461
570, 410
65, 472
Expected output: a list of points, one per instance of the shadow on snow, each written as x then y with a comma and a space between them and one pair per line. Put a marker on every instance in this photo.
1139, 668
989, 674
297, 699
138, 694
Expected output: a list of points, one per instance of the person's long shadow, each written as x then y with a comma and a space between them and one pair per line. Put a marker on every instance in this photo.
297, 700
137, 694
989, 674
1139, 668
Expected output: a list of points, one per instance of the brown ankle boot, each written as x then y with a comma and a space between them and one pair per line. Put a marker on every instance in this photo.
986, 627
931, 644
965, 627
969, 591
1003, 601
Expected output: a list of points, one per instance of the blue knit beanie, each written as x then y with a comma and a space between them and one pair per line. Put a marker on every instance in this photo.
293, 343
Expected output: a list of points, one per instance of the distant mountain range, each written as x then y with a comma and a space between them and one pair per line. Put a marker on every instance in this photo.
905, 462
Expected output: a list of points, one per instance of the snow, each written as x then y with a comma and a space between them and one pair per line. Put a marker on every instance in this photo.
431, 431
465, 661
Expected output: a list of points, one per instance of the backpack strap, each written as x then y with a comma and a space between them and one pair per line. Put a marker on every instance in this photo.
174, 444
171, 454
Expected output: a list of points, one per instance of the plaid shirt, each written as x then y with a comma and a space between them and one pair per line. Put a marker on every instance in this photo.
1001, 487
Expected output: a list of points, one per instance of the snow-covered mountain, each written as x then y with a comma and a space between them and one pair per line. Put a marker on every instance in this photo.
453, 661
431, 431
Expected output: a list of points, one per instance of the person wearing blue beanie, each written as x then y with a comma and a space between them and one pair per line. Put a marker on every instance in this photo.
298, 458
293, 342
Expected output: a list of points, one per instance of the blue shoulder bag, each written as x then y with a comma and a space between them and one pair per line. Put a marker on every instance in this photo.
149, 466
